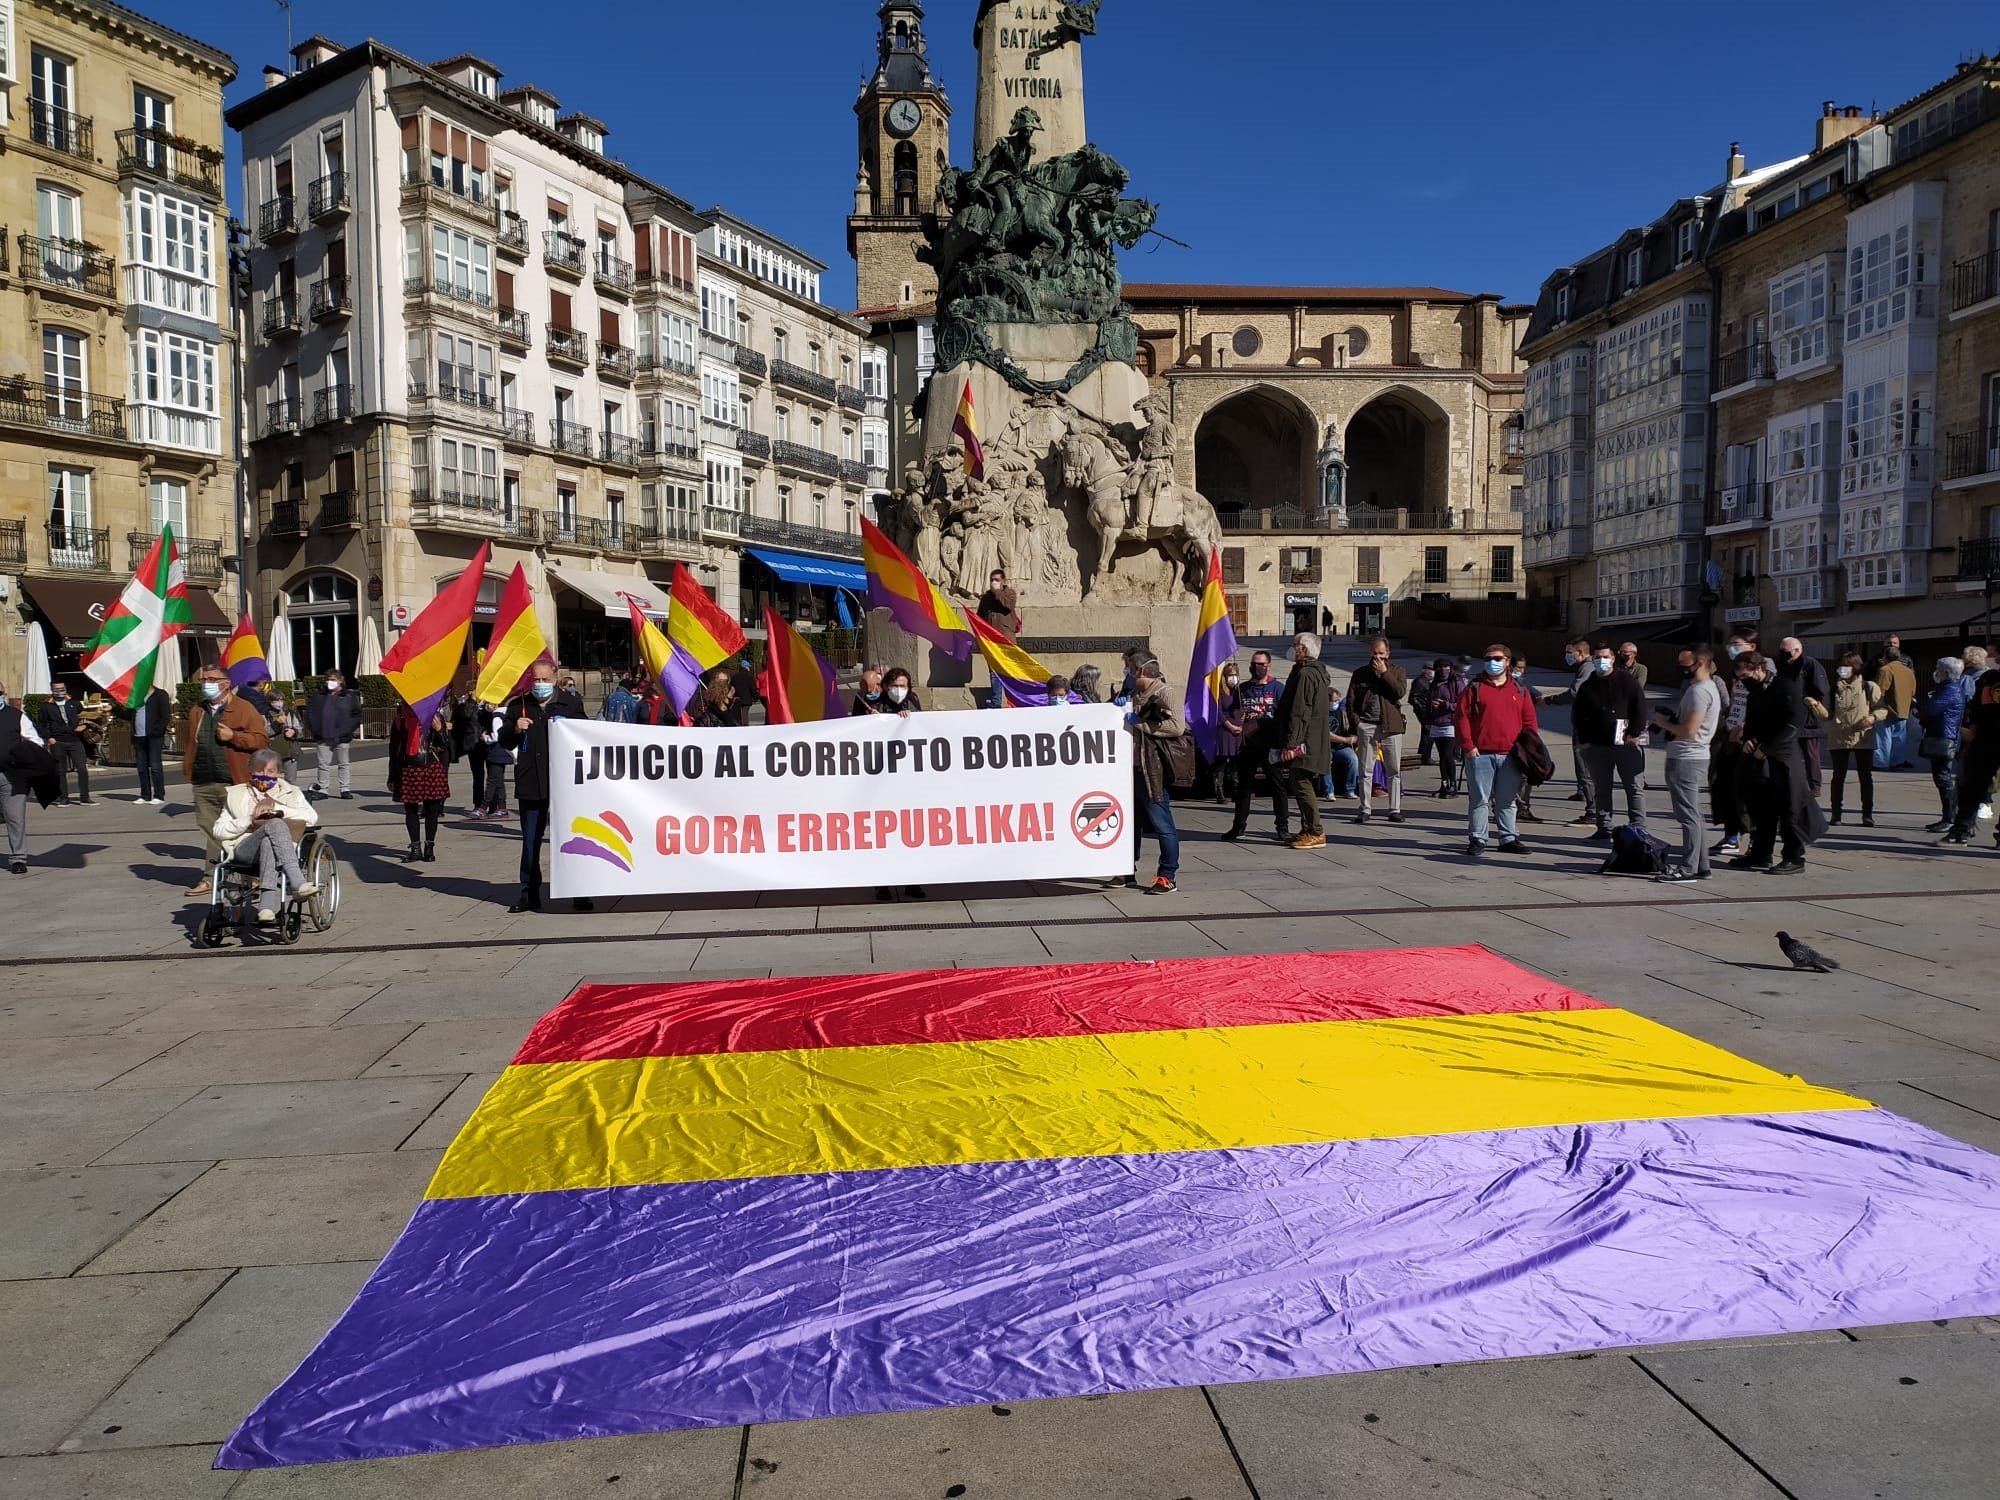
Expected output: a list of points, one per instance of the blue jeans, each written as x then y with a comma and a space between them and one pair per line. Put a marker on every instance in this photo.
1346, 778
534, 830
1156, 818
1494, 785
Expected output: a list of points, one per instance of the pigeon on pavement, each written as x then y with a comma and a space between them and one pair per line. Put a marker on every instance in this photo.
1803, 957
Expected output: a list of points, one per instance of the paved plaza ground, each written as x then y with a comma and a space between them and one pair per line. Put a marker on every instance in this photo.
205, 1153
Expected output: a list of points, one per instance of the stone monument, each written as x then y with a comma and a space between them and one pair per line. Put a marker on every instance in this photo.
1077, 497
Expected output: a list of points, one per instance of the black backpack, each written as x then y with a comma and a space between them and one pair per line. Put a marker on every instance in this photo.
1635, 852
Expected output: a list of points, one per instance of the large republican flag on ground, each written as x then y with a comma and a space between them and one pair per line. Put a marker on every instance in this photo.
912, 600
708, 1204
122, 657
421, 665
1214, 648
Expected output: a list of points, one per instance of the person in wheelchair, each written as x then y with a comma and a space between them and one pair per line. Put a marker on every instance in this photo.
256, 828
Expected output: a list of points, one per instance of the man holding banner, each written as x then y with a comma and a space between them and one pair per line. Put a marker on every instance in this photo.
526, 733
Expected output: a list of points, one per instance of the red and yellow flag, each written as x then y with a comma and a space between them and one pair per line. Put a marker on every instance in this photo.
797, 682
965, 427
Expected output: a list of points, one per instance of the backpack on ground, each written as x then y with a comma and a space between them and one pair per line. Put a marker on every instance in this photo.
1635, 852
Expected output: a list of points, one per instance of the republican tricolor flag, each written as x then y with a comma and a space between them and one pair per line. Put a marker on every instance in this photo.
1214, 649
243, 655
797, 682
422, 664
965, 427
1023, 680
517, 643
912, 600
152, 610
700, 637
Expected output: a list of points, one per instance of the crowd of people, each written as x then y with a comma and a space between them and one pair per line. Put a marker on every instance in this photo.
1747, 743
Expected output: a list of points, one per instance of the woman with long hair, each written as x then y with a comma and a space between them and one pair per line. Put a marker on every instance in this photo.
419, 755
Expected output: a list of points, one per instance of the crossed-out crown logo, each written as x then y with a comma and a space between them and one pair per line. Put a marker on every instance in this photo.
604, 837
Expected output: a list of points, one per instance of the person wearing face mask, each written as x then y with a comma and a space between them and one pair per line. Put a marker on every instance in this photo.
1421, 693
265, 817
716, 706
1940, 715
1609, 721
1856, 710
1898, 683
1979, 755
1493, 711
1375, 714
868, 694
59, 722
898, 696
1690, 727
333, 718
1628, 660
1779, 801
1445, 693
1976, 665
1228, 734
420, 758
150, 722
525, 732
1577, 657
25, 771
221, 734
1257, 738
1726, 770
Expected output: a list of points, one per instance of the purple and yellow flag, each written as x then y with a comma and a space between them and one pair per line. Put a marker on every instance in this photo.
711, 1204
1023, 680
912, 600
965, 427
243, 655
422, 664
1214, 648
701, 635
797, 682
517, 642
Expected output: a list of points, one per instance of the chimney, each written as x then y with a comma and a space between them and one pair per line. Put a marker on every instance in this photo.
313, 51
1837, 124
1736, 163
273, 76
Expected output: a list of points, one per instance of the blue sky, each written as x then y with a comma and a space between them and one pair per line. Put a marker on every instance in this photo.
1473, 146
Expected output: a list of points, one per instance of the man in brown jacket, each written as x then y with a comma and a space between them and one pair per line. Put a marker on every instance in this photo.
1898, 686
1375, 697
217, 741
1000, 607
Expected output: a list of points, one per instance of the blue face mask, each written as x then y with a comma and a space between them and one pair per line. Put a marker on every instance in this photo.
1569, 658
1604, 664
211, 690
543, 691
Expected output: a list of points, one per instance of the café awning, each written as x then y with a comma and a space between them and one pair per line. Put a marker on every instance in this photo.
821, 572
612, 591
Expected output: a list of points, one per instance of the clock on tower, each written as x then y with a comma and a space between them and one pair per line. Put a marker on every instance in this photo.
905, 142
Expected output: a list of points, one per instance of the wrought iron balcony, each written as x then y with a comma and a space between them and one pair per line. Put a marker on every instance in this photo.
568, 346
1744, 366
751, 363
562, 253
752, 444
61, 409
854, 472
518, 427
426, 286
1740, 505
516, 328
280, 416
68, 266
201, 557
853, 398
288, 518
3, 249
339, 510
331, 298
278, 218
328, 197
619, 448
1979, 557
513, 236
14, 542
428, 197
659, 363
800, 379
281, 317
1970, 454
79, 549
334, 404
567, 437
60, 130
810, 460
616, 362
466, 392
1975, 281
172, 158
613, 275
802, 537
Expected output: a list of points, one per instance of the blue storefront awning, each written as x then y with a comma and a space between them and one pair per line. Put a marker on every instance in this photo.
823, 572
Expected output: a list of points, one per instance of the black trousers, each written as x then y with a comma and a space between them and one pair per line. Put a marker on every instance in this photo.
1979, 764
70, 755
1250, 764
1862, 758
1778, 804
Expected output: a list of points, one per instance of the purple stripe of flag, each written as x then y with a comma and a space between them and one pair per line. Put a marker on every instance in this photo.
625, 1310
682, 678
1212, 648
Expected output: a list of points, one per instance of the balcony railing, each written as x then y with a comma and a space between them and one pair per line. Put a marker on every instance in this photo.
428, 196
853, 471
659, 449
803, 537
460, 393
811, 460
664, 363
278, 218
1744, 366
1740, 505
613, 275
339, 510
1975, 281
616, 361
568, 345
562, 252
721, 520
752, 444
1979, 557
280, 416
567, 437
201, 557
800, 379
328, 198
61, 409
281, 316
331, 298
288, 518
518, 427
334, 404
619, 448
60, 130
14, 543
69, 266
751, 363
1967, 455
677, 534
516, 328
79, 549
425, 286
172, 157
513, 235
3, 249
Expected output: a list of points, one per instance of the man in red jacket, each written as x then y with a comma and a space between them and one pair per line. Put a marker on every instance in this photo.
1492, 713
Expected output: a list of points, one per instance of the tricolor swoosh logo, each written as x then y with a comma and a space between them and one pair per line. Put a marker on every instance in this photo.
603, 837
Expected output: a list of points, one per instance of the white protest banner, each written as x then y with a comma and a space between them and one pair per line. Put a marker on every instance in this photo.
932, 799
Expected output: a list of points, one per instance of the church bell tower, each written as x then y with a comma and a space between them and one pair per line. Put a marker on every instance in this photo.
905, 139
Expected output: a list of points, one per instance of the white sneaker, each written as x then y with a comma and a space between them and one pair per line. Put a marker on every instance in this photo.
267, 918
304, 891
1985, 811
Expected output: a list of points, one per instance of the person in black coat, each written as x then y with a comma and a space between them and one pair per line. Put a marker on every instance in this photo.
25, 770
526, 733
58, 722
1608, 717
150, 723
466, 724
1776, 718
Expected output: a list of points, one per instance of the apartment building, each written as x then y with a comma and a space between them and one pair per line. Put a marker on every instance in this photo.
470, 325
116, 364
794, 429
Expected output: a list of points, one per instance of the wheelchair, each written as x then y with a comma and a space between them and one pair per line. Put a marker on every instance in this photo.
234, 895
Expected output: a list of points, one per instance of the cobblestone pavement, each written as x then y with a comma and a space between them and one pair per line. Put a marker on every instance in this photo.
206, 1152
